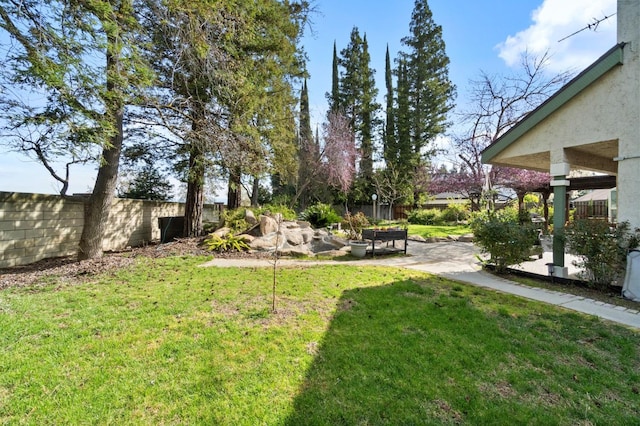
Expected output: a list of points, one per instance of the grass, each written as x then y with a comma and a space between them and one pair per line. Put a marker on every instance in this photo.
168, 342
438, 231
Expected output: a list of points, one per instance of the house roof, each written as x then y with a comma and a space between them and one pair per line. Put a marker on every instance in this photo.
600, 67
596, 195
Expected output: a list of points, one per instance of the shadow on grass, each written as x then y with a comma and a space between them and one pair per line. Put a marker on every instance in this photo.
410, 353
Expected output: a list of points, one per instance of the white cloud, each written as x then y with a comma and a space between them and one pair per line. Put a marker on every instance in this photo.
557, 19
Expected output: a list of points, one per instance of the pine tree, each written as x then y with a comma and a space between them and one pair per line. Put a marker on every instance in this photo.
430, 92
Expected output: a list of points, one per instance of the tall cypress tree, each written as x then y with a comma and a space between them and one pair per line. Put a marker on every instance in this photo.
307, 150
390, 147
358, 102
430, 92
404, 158
368, 117
333, 98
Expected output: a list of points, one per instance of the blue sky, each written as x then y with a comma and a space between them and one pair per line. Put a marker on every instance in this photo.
487, 35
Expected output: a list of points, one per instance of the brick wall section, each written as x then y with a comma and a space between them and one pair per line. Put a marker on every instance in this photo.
38, 226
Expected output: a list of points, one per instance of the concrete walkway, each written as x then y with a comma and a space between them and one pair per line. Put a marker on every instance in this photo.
458, 261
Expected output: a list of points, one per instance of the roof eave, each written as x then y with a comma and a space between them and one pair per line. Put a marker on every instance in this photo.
604, 64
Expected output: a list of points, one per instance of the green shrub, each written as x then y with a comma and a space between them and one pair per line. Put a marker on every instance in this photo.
225, 244
286, 212
602, 249
503, 237
320, 215
353, 224
425, 217
234, 220
455, 213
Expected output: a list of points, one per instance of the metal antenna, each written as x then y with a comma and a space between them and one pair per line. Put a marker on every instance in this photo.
592, 26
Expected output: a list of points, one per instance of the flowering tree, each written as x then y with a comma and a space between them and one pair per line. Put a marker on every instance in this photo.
340, 153
524, 181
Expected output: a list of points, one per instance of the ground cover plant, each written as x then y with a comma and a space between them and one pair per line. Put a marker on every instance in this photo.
167, 342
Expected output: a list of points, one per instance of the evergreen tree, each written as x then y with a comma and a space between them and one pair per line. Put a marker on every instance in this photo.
333, 97
357, 99
368, 118
430, 92
350, 92
147, 184
81, 61
390, 146
403, 156
307, 149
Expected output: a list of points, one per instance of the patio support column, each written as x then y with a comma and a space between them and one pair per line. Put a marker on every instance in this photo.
559, 182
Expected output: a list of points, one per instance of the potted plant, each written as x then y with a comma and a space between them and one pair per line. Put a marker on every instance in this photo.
353, 224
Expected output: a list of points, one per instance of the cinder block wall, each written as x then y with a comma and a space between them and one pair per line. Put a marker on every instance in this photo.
38, 226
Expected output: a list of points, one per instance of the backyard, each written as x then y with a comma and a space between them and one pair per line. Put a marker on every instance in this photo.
164, 341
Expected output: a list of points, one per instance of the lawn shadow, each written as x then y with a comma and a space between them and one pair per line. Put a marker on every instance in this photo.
437, 352
379, 360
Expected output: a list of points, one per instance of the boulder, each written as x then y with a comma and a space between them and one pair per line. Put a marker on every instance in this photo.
266, 243
303, 224
307, 235
297, 251
250, 217
294, 237
290, 225
268, 225
246, 238
222, 232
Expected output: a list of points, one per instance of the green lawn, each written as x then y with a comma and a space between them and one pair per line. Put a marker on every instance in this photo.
427, 231
168, 342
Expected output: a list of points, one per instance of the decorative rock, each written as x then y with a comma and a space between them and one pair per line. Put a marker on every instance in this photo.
291, 225
222, 232
303, 224
268, 225
266, 243
297, 251
294, 238
418, 238
250, 217
246, 238
307, 235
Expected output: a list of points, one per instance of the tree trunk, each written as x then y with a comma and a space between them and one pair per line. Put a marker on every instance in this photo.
97, 208
195, 195
545, 210
521, 195
234, 194
255, 192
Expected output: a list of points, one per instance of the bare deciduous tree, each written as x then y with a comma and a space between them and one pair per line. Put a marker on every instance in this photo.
497, 103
